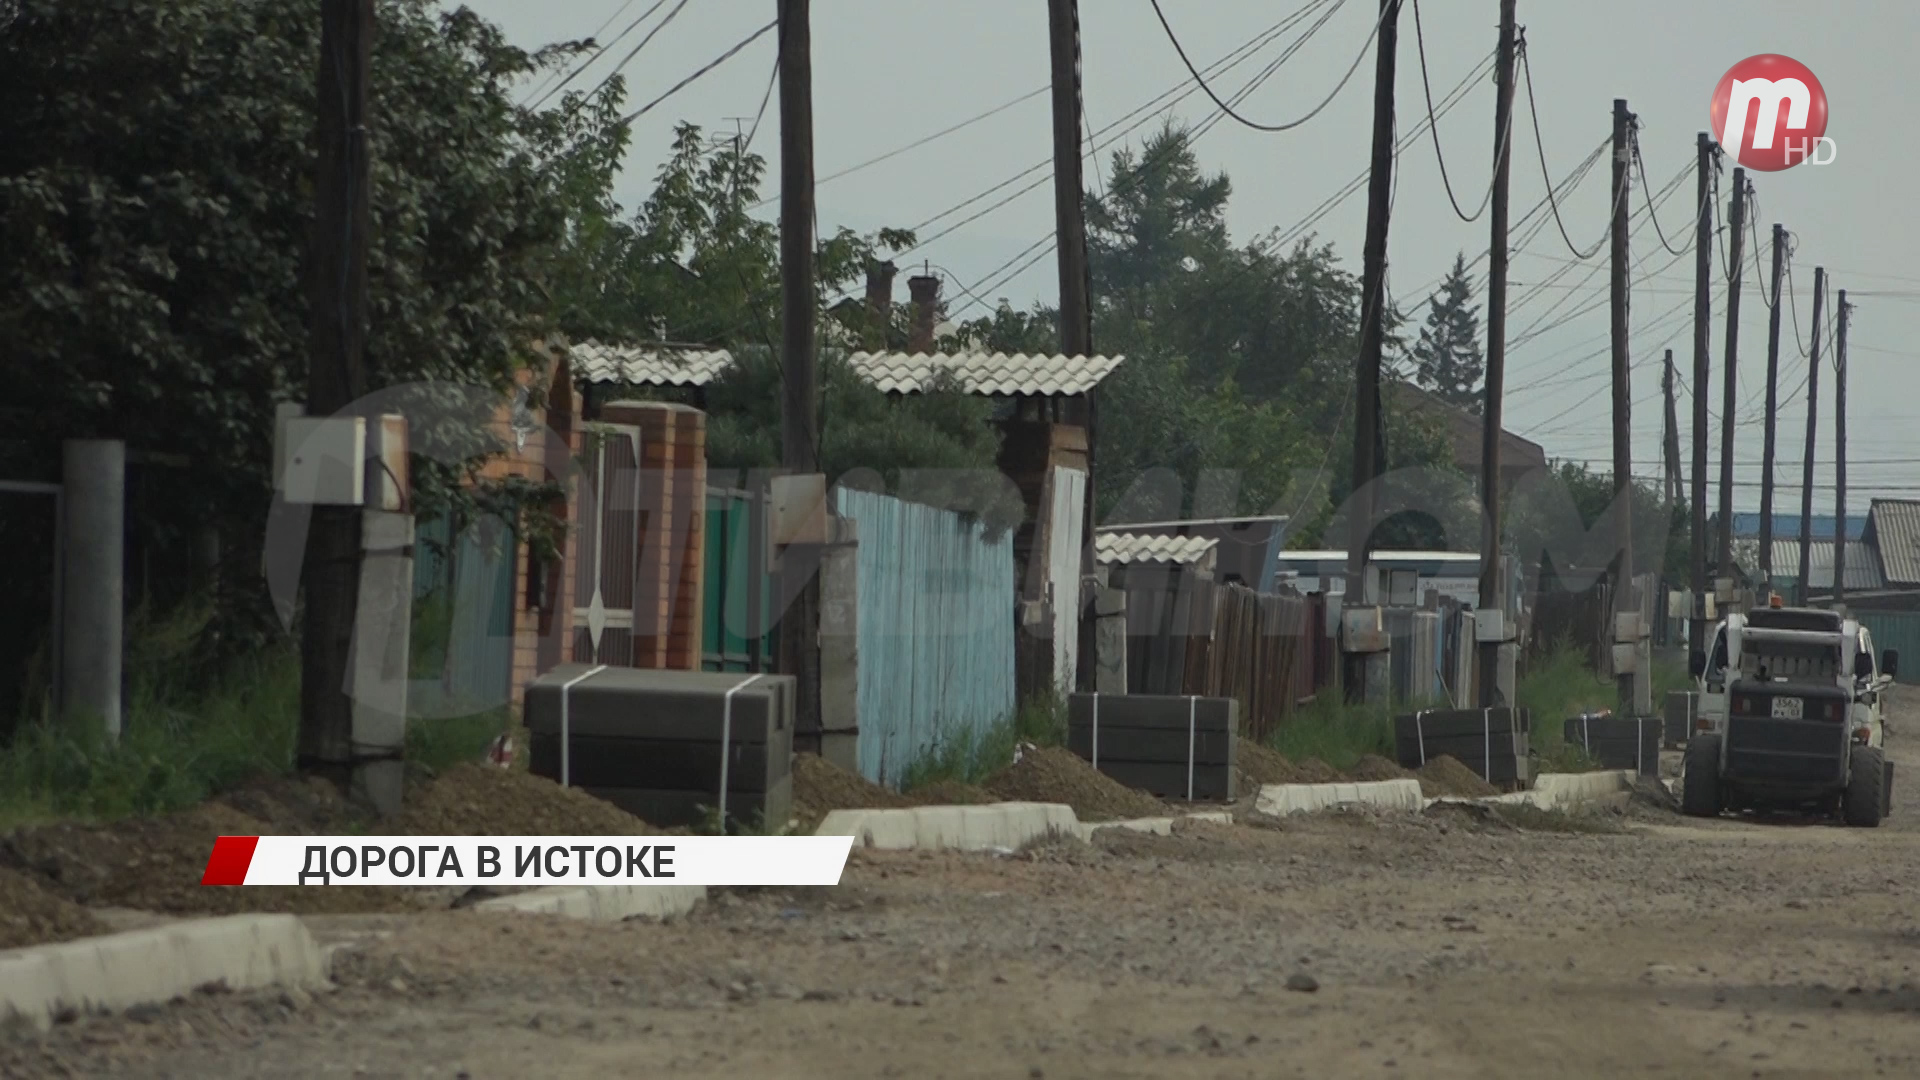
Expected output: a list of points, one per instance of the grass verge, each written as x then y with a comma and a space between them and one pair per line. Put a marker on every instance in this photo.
968, 755
1337, 732
181, 745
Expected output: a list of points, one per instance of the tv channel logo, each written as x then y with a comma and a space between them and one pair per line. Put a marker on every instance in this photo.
1770, 113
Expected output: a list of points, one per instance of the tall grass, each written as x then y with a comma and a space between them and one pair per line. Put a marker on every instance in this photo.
1336, 731
186, 735
968, 756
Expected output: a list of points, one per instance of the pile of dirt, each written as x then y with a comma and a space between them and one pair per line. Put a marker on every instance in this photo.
1446, 777
31, 914
953, 793
1314, 771
821, 787
1260, 765
297, 806
1373, 767
155, 864
1057, 775
476, 799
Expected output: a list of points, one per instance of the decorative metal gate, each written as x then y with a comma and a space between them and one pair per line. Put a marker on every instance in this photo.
608, 547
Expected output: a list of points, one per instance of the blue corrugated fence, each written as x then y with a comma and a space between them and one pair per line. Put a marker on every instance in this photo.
935, 630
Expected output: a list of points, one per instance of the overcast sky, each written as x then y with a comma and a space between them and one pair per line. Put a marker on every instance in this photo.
890, 72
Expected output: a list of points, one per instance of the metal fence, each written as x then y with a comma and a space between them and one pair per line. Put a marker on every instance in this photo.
1900, 631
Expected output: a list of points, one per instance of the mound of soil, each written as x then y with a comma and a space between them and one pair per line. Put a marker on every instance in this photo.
155, 864
1373, 767
1261, 765
475, 799
1446, 777
952, 793
1057, 775
1314, 771
31, 914
821, 787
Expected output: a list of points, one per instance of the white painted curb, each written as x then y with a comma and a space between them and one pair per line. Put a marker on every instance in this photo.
1562, 791
149, 967
1279, 800
601, 903
1157, 826
959, 828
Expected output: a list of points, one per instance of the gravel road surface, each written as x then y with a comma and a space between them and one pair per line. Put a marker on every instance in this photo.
1346, 945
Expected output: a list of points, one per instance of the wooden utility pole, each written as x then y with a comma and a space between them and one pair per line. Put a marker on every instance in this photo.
1492, 581
1076, 304
1736, 256
1623, 588
800, 389
1840, 455
1813, 416
1670, 438
336, 378
1367, 434
1702, 380
1773, 402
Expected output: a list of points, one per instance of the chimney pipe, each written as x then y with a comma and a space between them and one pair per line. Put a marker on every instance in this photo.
925, 290
879, 304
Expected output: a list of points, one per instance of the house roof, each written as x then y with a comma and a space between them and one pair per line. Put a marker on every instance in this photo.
639, 365
1863, 563
1894, 525
1247, 549
988, 374
984, 374
1463, 428
1787, 526
1126, 548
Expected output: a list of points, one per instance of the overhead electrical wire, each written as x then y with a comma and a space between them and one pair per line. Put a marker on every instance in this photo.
711, 64
1433, 129
595, 54
1640, 163
1533, 109
665, 21
1255, 125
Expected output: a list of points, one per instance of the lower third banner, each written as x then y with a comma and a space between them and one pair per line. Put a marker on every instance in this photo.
527, 860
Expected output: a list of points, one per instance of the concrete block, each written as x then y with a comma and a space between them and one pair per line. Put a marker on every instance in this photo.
601, 903
142, 967
1280, 800
1566, 790
960, 828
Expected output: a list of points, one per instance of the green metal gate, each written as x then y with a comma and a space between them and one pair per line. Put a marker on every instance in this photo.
1899, 631
737, 614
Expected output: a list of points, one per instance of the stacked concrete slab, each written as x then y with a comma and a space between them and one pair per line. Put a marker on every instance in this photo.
1619, 742
1492, 742
1172, 747
657, 743
1682, 710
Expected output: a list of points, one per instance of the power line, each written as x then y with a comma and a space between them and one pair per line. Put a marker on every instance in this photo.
711, 64
1229, 110
1433, 128
665, 21
598, 52
1533, 109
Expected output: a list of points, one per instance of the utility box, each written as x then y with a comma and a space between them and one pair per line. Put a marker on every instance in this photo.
321, 460
799, 510
1363, 630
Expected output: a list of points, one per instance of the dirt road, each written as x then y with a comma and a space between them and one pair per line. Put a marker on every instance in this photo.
1441, 946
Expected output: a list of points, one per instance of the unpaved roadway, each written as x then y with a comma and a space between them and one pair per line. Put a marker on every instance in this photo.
1441, 946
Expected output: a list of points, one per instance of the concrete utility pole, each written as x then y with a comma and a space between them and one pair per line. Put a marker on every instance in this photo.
336, 378
1076, 304
1365, 671
1736, 256
1840, 455
800, 388
1624, 601
1702, 379
1492, 581
1773, 401
1813, 416
93, 499
1670, 438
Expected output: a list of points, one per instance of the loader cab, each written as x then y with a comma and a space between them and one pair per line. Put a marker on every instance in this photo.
1710, 674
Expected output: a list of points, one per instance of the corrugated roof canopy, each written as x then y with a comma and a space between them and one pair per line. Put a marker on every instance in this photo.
1896, 532
987, 374
984, 374
1125, 548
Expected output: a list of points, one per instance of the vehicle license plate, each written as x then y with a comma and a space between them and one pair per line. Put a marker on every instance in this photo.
1788, 708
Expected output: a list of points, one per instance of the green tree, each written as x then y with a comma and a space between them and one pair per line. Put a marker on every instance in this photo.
153, 244
1447, 358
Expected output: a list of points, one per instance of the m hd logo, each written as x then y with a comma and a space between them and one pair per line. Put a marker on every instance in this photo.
1770, 113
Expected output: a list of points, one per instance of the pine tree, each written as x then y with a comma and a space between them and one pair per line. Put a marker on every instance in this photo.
1447, 359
